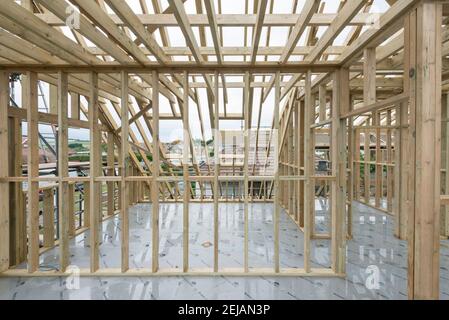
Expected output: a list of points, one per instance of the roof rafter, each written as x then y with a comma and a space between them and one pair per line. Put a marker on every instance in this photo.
92, 10
219, 44
214, 28
388, 24
60, 8
310, 7
349, 10
180, 14
186, 28
130, 19
257, 31
17, 20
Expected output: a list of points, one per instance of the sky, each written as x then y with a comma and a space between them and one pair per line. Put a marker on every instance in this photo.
232, 36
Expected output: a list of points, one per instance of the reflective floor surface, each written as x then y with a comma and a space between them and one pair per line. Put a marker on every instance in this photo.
376, 260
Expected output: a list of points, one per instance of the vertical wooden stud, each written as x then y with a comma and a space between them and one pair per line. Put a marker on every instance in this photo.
185, 169
277, 93
155, 183
111, 163
424, 219
4, 172
86, 205
445, 164
309, 158
390, 169
369, 97
357, 159
398, 172
301, 149
340, 105
17, 210
322, 102
125, 162
75, 106
95, 170
216, 133
246, 109
33, 170
48, 212
71, 208
53, 99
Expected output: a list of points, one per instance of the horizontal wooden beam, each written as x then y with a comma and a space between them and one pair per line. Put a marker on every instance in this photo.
260, 67
49, 118
232, 51
390, 102
225, 20
355, 83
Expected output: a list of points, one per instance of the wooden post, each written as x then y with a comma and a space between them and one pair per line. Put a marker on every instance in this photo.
33, 170
378, 167
135, 185
74, 105
290, 162
130, 193
425, 98
445, 162
110, 163
4, 172
64, 211
86, 216
125, 162
367, 165
53, 101
309, 195
282, 159
277, 140
350, 165
390, 169
120, 173
185, 169
71, 206
322, 102
340, 105
369, 97
301, 168
95, 171
312, 185
356, 156
405, 144
17, 210
405, 136
297, 170
216, 133
246, 108
322, 116
400, 165
155, 183
139, 187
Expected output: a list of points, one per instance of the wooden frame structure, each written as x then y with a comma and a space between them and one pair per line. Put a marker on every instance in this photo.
375, 98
